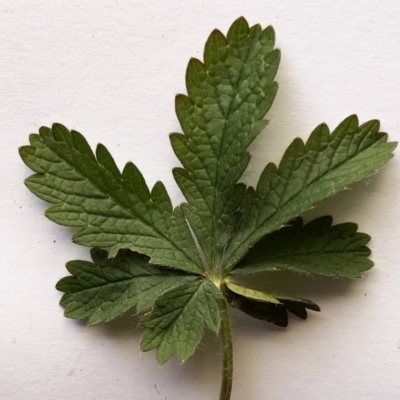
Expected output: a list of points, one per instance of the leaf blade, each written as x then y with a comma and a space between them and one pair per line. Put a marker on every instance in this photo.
102, 290
266, 306
251, 293
228, 95
177, 321
307, 174
111, 209
316, 248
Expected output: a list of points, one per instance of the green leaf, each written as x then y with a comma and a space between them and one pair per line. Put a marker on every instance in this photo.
112, 210
107, 288
316, 248
308, 173
251, 293
177, 321
177, 266
228, 95
269, 307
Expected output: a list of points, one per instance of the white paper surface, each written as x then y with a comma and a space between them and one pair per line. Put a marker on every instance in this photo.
111, 69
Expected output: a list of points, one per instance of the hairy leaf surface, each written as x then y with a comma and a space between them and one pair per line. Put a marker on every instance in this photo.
308, 173
107, 288
177, 321
112, 210
228, 95
179, 267
316, 248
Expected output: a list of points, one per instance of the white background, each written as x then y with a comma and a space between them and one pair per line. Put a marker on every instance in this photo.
111, 69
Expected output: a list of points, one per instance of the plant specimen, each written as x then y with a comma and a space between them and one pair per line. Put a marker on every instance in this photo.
181, 267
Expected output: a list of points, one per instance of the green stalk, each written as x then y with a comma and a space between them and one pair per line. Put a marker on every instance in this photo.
227, 352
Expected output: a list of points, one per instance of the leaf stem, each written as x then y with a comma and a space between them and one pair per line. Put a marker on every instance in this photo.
227, 351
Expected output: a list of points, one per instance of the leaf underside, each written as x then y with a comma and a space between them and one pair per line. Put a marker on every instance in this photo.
107, 288
316, 248
228, 95
269, 307
307, 174
112, 210
177, 321
160, 260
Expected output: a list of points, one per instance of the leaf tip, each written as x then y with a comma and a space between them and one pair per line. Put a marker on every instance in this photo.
241, 20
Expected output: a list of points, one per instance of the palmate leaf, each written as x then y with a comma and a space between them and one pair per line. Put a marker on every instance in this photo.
316, 248
269, 307
180, 267
112, 210
177, 321
227, 98
105, 289
308, 173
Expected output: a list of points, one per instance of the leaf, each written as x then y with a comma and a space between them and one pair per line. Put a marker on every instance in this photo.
269, 307
107, 288
228, 95
307, 174
177, 321
316, 248
251, 293
178, 266
112, 210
